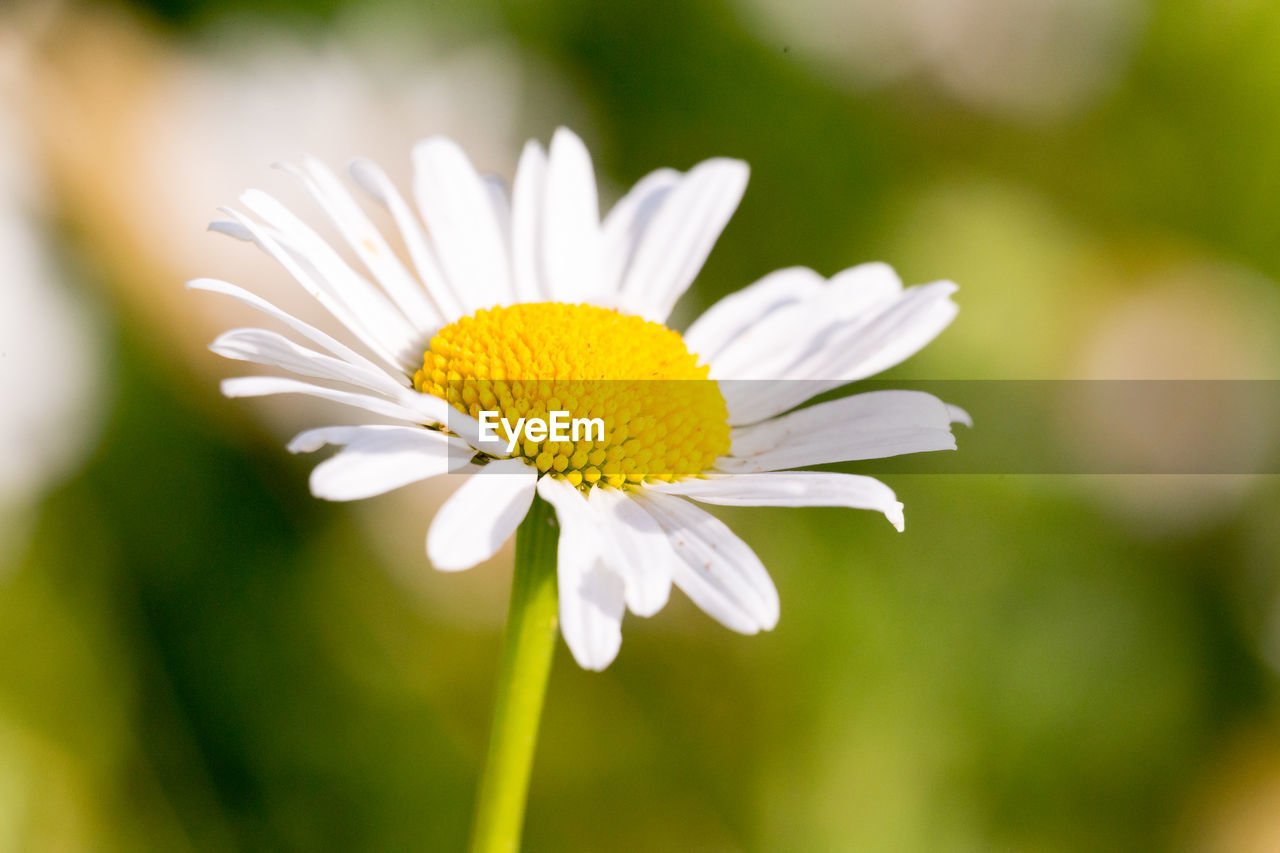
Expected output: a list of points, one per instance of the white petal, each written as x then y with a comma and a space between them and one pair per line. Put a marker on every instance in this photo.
375, 182
303, 271
526, 231
625, 225
742, 310
848, 350
232, 229
959, 415
500, 199
873, 425
570, 222
852, 291
800, 333
377, 461
468, 428
458, 210
641, 552
415, 408
264, 347
481, 515
678, 240
592, 597
871, 410
366, 310
791, 488
311, 440
308, 331
591, 606
716, 570
368, 244
916, 316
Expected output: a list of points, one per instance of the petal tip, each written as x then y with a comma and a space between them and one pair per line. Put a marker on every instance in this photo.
959, 416
305, 442
566, 135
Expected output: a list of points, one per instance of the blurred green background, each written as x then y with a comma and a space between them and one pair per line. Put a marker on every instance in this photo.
196, 655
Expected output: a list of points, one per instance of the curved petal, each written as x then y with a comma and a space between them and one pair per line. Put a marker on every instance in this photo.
375, 461
316, 283
717, 570
959, 416
912, 319
500, 198
791, 488
311, 440
680, 236
458, 210
873, 425
414, 408
886, 333
367, 242
375, 182
592, 597
742, 310
625, 225
308, 331
376, 318
802, 332
642, 554
570, 222
481, 515
592, 602
526, 232
263, 347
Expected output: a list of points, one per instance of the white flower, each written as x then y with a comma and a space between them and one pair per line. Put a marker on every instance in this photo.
508, 286
50, 361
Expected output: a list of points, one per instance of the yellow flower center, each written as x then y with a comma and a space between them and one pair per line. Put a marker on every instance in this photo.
662, 417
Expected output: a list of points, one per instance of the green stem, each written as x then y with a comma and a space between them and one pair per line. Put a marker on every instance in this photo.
528, 647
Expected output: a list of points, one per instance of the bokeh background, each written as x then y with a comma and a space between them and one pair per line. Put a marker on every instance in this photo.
197, 656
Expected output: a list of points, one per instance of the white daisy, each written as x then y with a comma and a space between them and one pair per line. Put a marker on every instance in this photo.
530, 284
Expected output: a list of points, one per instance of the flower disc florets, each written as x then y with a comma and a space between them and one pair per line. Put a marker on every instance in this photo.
662, 417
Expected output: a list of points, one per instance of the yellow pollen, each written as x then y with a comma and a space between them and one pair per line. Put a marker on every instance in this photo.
663, 418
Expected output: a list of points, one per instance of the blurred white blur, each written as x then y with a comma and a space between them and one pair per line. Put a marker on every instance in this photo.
51, 367
1025, 59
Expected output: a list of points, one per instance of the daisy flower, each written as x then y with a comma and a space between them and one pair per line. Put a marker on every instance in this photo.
522, 302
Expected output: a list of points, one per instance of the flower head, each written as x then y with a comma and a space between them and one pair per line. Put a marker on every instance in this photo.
522, 305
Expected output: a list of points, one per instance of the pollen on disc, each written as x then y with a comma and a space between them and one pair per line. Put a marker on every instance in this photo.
663, 418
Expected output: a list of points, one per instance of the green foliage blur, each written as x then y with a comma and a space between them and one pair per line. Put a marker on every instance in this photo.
197, 655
